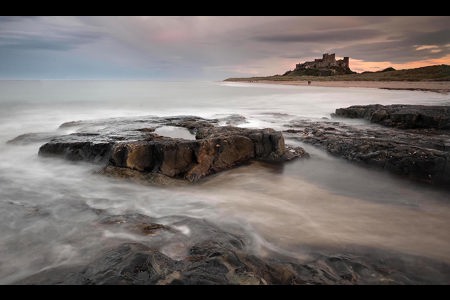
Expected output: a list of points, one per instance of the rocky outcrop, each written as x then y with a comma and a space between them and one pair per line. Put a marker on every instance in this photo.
87, 151
28, 138
400, 115
419, 154
218, 257
135, 145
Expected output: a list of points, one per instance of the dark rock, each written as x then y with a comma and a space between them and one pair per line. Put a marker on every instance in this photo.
419, 154
132, 144
130, 263
293, 152
88, 151
217, 256
140, 177
169, 157
224, 259
216, 154
29, 138
136, 223
71, 124
234, 119
400, 115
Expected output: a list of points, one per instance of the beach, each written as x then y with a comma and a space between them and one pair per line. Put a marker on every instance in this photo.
432, 86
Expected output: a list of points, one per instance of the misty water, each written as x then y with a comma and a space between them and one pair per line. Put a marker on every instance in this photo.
47, 205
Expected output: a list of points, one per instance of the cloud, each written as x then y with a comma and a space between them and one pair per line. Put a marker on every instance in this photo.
438, 37
60, 42
322, 36
35, 33
209, 47
7, 19
411, 46
397, 52
34, 44
426, 47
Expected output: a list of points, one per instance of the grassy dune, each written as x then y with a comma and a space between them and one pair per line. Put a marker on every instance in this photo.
430, 73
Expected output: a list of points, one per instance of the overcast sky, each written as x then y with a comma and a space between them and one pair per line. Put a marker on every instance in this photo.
211, 47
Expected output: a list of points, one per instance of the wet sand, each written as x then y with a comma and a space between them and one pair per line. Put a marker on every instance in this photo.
432, 86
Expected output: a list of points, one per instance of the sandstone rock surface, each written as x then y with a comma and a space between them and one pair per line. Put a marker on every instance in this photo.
134, 145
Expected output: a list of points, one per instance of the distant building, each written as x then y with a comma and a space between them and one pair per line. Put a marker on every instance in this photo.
325, 66
326, 62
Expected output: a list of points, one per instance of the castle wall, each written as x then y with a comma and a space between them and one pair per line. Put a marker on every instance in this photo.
327, 61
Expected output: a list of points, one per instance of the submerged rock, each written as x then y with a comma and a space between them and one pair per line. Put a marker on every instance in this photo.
220, 257
400, 115
135, 223
134, 145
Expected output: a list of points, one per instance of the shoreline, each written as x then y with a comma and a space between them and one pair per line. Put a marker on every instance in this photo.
442, 87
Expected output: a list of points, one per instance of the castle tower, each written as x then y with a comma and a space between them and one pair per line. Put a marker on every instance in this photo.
346, 62
328, 57
328, 60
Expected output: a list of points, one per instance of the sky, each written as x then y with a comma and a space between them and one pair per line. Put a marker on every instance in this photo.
212, 48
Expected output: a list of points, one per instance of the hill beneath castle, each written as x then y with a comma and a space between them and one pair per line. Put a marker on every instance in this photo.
429, 73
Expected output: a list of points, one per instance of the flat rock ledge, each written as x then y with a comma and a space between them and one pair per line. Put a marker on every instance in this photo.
133, 145
414, 144
400, 115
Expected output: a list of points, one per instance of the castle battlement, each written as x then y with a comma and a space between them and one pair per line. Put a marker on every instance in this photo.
327, 61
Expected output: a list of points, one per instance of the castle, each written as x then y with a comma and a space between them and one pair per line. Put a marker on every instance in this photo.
327, 61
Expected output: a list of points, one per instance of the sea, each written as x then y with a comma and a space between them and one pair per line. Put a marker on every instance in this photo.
47, 206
